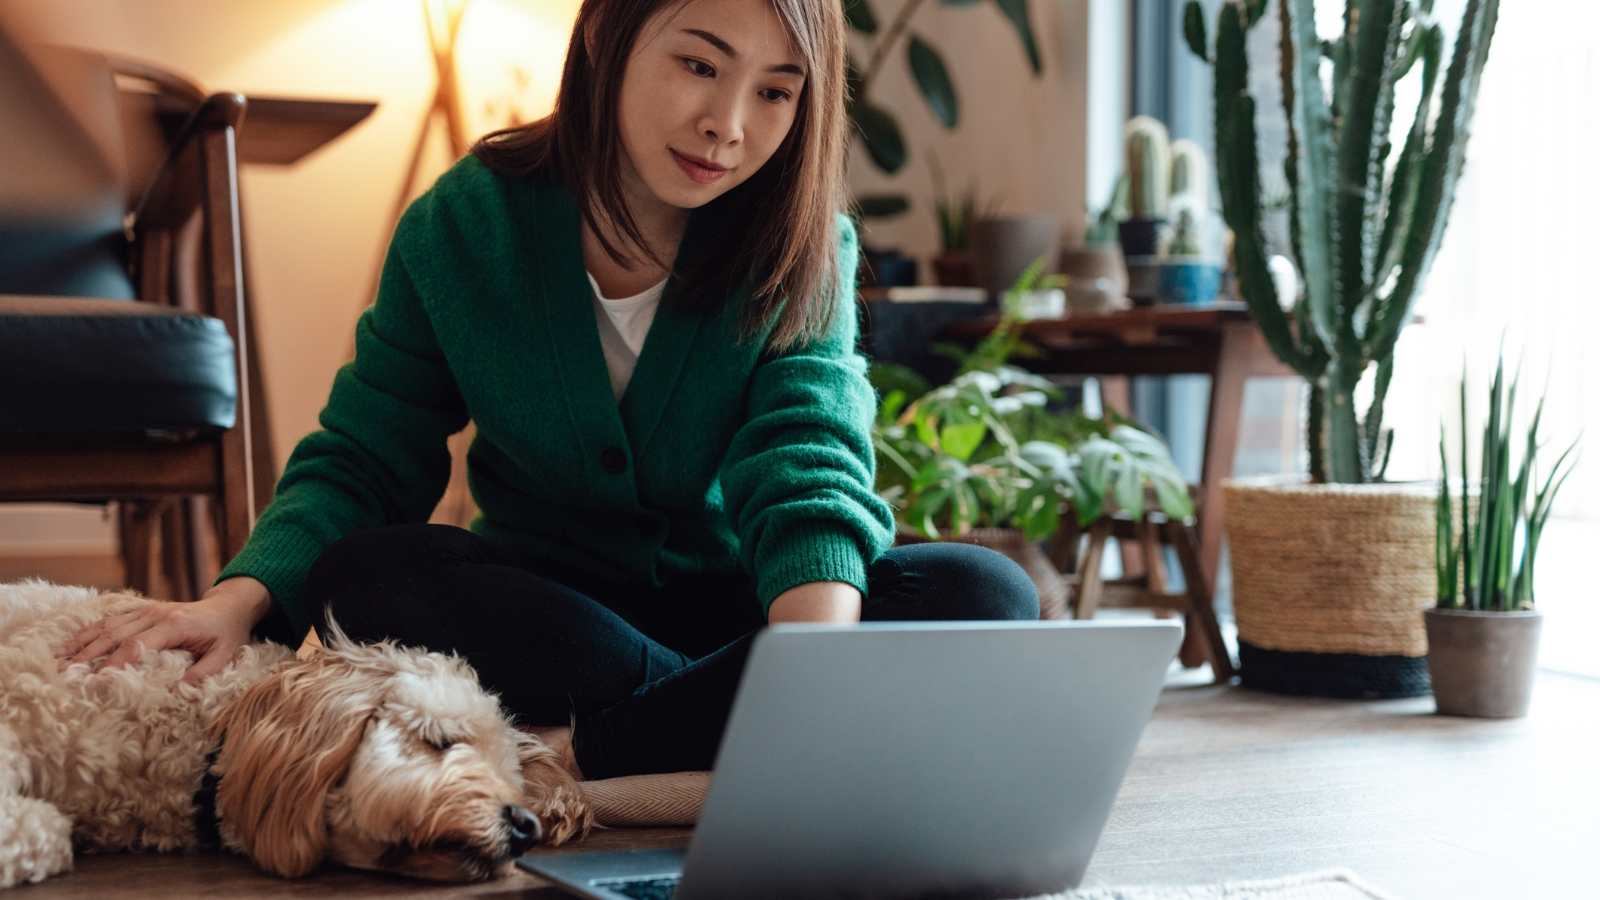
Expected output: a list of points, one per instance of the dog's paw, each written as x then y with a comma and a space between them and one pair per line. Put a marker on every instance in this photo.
35, 841
563, 812
551, 793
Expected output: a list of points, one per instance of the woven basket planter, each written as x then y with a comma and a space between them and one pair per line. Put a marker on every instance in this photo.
1052, 585
1329, 585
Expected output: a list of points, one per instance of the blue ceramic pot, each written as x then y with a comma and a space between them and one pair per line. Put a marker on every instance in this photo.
1189, 281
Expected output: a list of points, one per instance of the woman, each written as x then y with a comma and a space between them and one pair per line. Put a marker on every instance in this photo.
672, 449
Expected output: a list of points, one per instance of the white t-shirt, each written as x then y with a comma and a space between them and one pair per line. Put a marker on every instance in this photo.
624, 322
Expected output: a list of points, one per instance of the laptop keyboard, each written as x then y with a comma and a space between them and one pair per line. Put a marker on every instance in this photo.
642, 888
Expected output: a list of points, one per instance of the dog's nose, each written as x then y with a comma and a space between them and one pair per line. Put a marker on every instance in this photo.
525, 829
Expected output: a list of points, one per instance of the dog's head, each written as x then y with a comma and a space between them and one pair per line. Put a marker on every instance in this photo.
379, 757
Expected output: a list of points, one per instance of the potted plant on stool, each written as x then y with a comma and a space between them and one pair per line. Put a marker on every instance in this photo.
1483, 637
960, 463
982, 460
1367, 219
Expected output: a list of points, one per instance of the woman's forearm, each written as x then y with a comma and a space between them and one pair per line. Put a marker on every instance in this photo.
818, 601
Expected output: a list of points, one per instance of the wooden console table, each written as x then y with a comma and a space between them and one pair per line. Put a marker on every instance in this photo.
1221, 341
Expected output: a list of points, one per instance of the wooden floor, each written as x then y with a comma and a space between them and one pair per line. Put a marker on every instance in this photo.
1227, 783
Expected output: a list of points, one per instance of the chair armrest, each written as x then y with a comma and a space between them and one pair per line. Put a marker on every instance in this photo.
222, 110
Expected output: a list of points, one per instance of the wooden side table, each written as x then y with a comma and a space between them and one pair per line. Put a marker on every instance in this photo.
1221, 341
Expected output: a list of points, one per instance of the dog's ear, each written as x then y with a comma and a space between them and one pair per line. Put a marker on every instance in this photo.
286, 742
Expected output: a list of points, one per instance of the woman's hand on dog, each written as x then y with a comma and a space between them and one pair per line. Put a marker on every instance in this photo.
212, 628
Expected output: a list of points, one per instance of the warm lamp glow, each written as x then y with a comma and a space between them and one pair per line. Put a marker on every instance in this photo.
444, 20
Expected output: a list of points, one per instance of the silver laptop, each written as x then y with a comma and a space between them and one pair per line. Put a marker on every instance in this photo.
899, 760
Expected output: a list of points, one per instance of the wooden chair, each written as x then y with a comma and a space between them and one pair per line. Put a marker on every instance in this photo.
1149, 590
180, 192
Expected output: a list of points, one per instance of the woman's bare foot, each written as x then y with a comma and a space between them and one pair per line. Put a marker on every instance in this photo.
559, 739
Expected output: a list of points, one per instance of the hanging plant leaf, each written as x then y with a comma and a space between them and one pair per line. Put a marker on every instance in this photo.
882, 206
1194, 30
860, 16
881, 134
927, 67
1016, 11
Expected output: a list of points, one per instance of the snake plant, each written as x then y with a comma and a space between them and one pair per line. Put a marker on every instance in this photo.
1366, 217
1485, 561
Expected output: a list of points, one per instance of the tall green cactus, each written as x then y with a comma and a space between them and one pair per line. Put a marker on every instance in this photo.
1365, 230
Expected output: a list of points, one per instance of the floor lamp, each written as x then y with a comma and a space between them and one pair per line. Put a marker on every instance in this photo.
443, 18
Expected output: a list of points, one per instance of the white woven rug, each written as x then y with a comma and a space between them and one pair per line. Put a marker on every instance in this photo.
1330, 884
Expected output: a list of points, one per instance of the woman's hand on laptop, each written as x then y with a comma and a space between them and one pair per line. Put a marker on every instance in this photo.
833, 602
212, 628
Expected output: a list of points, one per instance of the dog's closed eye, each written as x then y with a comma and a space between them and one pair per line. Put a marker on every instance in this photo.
440, 744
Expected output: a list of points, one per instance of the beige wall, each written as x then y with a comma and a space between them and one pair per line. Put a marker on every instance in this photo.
316, 230
1022, 137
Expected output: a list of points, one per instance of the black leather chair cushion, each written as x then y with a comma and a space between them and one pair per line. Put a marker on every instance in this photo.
70, 365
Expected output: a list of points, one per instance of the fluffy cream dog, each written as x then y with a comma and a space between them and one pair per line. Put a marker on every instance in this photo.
374, 757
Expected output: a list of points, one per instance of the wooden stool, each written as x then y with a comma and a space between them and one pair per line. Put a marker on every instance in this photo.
1092, 593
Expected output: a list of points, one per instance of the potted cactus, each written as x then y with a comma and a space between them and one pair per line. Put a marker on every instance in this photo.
1483, 636
1188, 276
1148, 161
1367, 219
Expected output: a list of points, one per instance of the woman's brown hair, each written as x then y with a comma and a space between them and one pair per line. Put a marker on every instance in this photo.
777, 229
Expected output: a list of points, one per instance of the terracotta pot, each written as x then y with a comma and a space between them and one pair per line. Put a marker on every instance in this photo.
1328, 582
1482, 662
954, 269
1052, 585
1004, 246
1097, 279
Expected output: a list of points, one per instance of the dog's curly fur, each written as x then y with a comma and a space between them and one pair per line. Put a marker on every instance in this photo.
370, 756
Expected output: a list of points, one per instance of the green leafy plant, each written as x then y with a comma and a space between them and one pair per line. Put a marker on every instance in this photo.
879, 130
982, 451
1485, 559
1365, 221
985, 450
955, 214
1004, 342
1103, 228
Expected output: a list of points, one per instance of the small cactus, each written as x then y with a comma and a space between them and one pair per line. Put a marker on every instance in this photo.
1185, 234
1149, 167
1191, 173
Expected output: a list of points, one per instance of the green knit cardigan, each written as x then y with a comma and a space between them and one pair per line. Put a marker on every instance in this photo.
722, 453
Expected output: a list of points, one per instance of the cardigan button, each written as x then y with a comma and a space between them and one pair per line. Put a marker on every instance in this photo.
613, 460
647, 526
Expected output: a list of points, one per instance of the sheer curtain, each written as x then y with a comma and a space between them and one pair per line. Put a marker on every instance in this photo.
1521, 264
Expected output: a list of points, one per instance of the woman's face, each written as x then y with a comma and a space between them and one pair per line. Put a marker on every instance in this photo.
709, 94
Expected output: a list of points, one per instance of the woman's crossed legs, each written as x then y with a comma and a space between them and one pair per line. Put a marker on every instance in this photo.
647, 675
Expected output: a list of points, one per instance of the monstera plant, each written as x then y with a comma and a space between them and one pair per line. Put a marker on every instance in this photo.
879, 130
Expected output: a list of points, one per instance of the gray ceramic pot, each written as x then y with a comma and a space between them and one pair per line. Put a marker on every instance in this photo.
1004, 246
1482, 663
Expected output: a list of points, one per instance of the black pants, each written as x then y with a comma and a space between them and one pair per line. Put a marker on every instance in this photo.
649, 674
